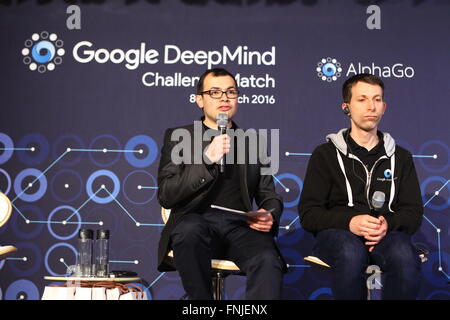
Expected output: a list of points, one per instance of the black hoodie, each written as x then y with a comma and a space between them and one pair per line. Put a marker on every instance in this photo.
338, 186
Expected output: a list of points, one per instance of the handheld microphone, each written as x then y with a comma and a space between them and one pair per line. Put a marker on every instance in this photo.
378, 199
222, 122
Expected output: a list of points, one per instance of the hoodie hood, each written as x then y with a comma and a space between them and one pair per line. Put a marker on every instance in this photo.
339, 142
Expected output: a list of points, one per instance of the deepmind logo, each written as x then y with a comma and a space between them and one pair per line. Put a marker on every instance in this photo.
243, 143
328, 69
83, 52
43, 52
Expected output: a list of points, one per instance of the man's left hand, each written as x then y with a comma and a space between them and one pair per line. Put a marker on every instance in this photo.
375, 237
261, 223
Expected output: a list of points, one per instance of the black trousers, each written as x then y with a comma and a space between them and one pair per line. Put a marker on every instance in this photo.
198, 238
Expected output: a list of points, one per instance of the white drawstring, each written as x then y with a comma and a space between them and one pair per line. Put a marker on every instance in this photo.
347, 183
391, 198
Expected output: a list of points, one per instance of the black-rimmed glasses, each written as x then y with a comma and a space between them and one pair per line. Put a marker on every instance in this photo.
217, 93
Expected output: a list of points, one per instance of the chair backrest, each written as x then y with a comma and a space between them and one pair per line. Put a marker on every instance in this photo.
165, 213
5, 209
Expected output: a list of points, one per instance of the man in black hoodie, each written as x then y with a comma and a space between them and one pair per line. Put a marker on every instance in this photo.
361, 199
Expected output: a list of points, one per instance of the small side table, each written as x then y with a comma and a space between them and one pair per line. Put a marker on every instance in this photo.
82, 284
92, 279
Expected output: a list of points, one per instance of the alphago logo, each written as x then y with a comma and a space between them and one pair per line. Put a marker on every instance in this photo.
43, 52
328, 69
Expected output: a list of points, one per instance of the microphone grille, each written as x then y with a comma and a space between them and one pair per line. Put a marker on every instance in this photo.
378, 199
222, 120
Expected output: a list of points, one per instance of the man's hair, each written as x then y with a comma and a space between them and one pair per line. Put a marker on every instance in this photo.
362, 77
216, 72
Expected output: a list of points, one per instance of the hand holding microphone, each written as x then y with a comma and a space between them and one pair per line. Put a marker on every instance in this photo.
375, 237
372, 227
218, 148
378, 199
221, 144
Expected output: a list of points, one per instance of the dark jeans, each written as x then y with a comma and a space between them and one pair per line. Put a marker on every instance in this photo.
349, 257
198, 238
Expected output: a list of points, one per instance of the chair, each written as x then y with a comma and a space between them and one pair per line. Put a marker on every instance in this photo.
220, 268
5, 214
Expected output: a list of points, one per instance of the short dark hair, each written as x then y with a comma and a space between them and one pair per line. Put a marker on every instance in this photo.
217, 72
362, 77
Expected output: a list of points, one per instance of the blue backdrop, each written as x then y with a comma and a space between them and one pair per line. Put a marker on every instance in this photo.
84, 89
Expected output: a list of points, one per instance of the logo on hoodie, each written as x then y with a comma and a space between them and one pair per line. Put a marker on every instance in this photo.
387, 176
387, 173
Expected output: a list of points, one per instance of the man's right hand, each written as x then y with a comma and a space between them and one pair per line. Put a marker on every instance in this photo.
218, 147
364, 224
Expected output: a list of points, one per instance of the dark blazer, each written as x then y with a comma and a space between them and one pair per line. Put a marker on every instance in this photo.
183, 187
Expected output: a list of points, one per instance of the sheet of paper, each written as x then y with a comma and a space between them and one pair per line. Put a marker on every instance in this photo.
244, 213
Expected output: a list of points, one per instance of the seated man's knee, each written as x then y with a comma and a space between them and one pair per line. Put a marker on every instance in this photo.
400, 252
352, 256
345, 248
266, 259
190, 230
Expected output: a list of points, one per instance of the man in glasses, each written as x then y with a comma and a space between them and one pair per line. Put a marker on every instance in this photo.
197, 233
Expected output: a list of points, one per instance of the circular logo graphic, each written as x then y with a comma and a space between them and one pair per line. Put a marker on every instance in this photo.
387, 173
43, 52
328, 69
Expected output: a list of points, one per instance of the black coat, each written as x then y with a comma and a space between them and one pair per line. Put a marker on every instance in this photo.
183, 187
